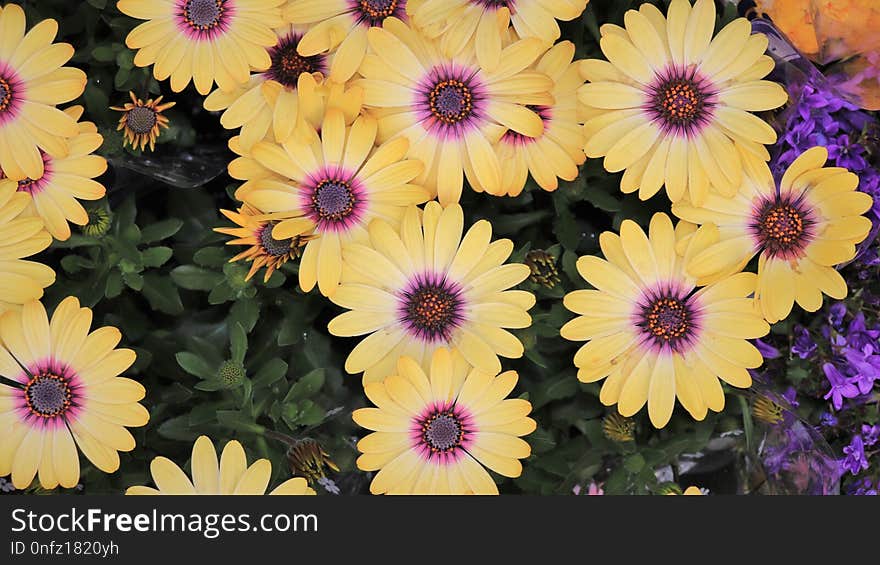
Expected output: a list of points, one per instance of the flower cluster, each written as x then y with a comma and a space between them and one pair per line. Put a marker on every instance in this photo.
356, 127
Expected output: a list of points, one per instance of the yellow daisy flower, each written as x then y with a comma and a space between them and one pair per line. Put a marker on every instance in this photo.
287, 98
20, 236
558, 151
142, 122
54, 195
426, 287
652, 333
452, 111
330, 189
672, 105
32, 82
231, 475
203, 41
340, 26
800, 231
481, 22
435, 432
263, 249
65, 394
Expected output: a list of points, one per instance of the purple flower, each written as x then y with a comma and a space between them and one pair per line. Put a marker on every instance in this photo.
871, 434
803, 346
859, 336
865, 365
767, 350
846, 153
862, 487
790, 395
855, 460
836, 314
841, 387
828, 420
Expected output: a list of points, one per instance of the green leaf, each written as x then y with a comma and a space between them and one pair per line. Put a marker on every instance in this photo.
211, 257
306, 387
195, 365
162, 294
238, 421
273, 370
114, 285
541, 441
238, 342
191, 277
220, 294
245, 312
134, 281
178, 428
156, 256
104, 54
634, 463
161, 230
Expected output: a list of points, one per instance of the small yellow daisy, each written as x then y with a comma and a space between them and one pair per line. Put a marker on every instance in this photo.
424, 287
671, 106
558, 151
436, 431
263, 249
32, 82
451, 109
142, 122
203, 41
800, 230
65, 393
329, 190
66, 179
286, 98
230, 475
340, 26
652, 333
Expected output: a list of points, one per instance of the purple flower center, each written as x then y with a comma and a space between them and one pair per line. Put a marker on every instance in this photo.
432, 308
273, 247
288, 64
680, 101
668, 318
203, 14
372, 13
782, 227
442, 431
5, 94
333, 200
451, 101
48, 395
141, 120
